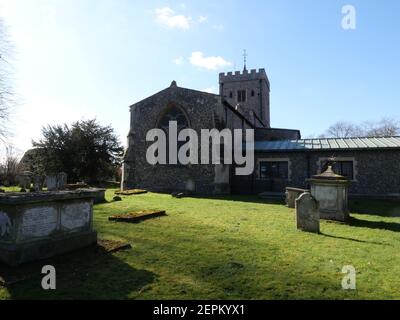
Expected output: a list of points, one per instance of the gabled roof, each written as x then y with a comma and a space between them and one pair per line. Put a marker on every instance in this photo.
174, 88
329, 144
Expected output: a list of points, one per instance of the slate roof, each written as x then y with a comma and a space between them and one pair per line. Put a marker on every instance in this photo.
329, 144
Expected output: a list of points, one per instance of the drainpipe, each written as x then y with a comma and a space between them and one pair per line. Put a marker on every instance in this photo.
261, 104
308, 169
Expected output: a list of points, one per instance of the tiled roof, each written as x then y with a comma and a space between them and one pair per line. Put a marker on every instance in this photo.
329, 144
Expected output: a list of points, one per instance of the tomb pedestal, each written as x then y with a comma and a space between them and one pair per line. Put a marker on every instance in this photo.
331, 192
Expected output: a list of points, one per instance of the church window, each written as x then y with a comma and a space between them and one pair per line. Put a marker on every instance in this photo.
274, 170
252, 93
241, 96
173, 114
231, 94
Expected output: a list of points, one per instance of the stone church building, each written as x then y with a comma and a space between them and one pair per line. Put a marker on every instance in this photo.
282, 158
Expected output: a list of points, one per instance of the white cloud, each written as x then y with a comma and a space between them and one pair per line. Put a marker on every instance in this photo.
210, 63
167, 17
202, 19
179, 61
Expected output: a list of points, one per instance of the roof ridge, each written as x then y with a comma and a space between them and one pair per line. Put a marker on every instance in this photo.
356, 143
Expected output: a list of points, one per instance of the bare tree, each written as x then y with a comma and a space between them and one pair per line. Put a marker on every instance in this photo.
9, 167
6, 94
343, 129
384, 128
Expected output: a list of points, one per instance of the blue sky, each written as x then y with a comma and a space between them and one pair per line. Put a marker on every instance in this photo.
93, 58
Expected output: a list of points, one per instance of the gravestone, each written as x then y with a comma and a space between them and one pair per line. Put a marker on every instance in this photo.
37, 183
61, 181
307, 214
291, 195
190, 185
51, 182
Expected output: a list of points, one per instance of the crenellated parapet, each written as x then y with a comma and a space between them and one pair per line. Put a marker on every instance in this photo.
244, 75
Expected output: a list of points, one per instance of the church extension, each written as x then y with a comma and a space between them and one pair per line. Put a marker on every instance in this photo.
281, 157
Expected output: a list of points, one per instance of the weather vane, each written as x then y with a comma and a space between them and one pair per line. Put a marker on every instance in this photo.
245, 59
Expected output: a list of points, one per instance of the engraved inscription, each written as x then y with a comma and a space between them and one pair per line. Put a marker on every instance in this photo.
39, 222
5, 225
75, 216
327, 197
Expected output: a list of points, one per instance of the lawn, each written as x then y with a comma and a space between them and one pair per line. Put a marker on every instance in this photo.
236, 247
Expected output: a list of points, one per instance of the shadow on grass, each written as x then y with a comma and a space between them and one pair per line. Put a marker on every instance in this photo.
90, 273
382, 225
383, 208
240, 198
352, 239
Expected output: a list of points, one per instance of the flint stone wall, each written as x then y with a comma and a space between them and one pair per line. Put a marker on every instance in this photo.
377, 172
203, 111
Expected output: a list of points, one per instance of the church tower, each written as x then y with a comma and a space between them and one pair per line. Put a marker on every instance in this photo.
248, 92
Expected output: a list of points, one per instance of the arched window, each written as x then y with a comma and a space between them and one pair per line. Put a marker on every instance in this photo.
173, 114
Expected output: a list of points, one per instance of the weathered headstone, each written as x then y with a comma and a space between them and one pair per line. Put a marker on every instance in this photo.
291, 195
61, 181
51, 182
307, 213
37, 183
190, 185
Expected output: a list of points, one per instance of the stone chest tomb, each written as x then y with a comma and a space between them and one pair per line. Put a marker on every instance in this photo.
42, 224
331, 192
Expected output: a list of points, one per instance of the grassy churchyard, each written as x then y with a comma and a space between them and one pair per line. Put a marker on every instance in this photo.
236, 247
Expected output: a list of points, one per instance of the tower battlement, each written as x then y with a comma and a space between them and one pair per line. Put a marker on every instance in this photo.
249, 91
244, 75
